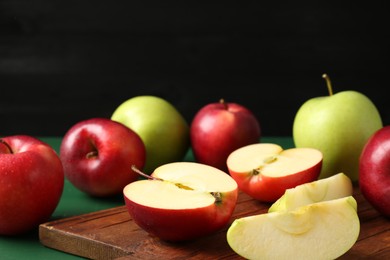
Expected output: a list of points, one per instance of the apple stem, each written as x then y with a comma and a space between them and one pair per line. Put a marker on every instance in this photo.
134, 168
9, 150
328, 83
222, 102
92, 154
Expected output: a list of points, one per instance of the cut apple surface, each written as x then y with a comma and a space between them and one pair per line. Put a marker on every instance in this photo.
265, 170
182, 201
323, 230
333, 187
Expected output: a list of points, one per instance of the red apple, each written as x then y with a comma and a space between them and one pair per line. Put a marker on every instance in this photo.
31, 183
220, 128
97, 155
264, 171
182, 201
374, 171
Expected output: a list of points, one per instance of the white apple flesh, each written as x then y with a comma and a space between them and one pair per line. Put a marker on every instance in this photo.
183, 201
334, 187
323, 230
265, 170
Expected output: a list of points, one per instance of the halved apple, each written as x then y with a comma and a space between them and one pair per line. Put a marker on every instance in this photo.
182, 201
323, 230
333, 187
265, 170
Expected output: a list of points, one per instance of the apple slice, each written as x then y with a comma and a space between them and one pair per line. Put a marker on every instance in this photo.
182, 201
323, 230
264, 170
333, 187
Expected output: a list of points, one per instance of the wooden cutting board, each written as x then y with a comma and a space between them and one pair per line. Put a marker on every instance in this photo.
111, 234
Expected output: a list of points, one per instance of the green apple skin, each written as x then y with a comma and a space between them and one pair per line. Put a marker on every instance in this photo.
323, 230
338, 125
160, 125
333, 187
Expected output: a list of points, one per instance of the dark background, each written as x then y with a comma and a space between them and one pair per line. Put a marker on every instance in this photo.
65, 61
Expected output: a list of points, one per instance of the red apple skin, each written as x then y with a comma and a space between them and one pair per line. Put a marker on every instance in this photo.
269, 189
116, 148
31, 183
374, 171
183, 225
220, 128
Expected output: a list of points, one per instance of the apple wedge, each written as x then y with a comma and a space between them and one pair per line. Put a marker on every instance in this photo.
182, 201
265, 170
323, 230
333, 187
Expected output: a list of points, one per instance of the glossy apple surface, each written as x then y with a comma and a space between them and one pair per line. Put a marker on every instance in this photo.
97, 155
220, 128
374, 171
265, 170
323, 230
333, 187
31, 183
187, 201
160, 125
338, 125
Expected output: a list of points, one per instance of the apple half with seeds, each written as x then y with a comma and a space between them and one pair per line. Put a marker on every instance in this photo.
264, 170
323, 230
333, 187
182, 201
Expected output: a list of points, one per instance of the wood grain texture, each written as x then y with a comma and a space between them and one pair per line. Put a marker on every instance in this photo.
111, 234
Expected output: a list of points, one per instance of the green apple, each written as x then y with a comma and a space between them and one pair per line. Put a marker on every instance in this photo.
162, 128
323, 230
338, 125
333, 187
